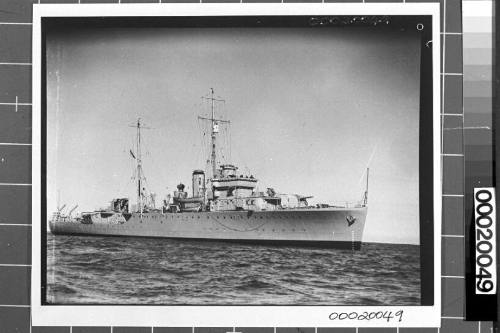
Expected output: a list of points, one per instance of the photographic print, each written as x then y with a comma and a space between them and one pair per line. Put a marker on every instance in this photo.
229, 160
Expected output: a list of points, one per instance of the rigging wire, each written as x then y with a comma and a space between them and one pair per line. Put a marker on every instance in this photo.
230, 140
204, 143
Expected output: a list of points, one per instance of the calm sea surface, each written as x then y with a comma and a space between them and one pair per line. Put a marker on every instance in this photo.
114, 270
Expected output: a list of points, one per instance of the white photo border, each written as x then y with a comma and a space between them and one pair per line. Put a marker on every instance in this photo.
226, 316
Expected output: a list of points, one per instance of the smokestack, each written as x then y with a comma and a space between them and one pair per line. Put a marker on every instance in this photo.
198, 184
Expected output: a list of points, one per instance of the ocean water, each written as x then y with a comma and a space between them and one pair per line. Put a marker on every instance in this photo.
116, 270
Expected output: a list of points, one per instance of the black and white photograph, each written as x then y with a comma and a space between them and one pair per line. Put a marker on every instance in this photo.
258, 160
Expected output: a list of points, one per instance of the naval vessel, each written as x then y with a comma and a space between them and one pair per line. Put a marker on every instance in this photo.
225, 205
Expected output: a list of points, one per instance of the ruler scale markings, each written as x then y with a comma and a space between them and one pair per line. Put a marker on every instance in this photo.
15, 63
14, 144
16, 23
15, 225
452, 277
453, 318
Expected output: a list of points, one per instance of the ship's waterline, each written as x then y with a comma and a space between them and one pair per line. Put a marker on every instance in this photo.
322, 227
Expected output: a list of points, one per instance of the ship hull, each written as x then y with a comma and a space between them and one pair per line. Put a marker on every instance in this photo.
326, 227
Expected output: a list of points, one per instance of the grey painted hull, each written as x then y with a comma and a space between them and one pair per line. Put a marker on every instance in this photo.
327, 227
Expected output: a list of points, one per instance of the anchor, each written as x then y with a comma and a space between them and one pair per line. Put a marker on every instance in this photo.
350, 220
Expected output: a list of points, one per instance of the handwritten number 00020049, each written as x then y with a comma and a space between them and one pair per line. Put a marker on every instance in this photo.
387, 315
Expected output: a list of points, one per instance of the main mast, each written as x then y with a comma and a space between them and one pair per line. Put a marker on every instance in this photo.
139, 166
138, 160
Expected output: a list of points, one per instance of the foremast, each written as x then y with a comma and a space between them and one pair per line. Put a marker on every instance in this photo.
213, 130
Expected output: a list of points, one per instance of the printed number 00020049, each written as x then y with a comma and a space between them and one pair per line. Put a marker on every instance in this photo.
484, 211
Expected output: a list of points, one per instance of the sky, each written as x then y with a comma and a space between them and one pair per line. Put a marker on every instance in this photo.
310, 110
